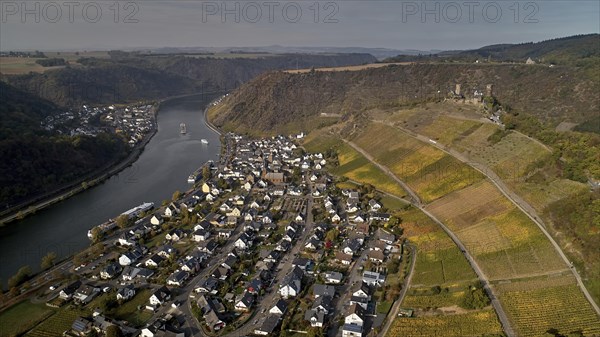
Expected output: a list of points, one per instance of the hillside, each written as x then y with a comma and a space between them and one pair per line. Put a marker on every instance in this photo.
130, 77
572, 50
38, 161
277, 99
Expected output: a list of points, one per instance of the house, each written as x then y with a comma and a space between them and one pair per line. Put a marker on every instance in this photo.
374, 206
81, 327
323, 290
224, 233
128, 258
376, 256
213, 321
373, 279
380, 216
129, 273
361, 301
303, 263
243, 242
156, 219
279, 308
160, 296
201, 235
110, 271
319, 310
362, 296
167, 251
191, 266
170, 211
208, 246
268, 325
354, 321
245, 302
334, 277
68, 291
230, 261
208, 285
291, 284
85, 293
343, 258
312, 244
178, 278
126, 293
351, 247
254, 286
175, 235
154, 261
386, 237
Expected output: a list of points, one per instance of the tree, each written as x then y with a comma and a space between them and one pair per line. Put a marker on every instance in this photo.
206, 174
113, 331
97, 234
176, 195
48, 261
475, 298
22, 274
393, 266
122, 221
332, 235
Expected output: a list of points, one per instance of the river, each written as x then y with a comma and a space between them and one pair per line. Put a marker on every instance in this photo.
161, 169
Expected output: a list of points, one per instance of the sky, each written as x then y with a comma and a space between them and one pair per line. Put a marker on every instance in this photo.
420, 25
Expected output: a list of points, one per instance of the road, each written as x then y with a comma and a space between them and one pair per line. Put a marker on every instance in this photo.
482, 277
394, 312
523, 205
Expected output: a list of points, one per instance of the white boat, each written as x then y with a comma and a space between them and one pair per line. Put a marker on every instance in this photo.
204, 141
182, 128
192, 178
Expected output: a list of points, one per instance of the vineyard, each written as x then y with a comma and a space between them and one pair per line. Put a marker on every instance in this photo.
561, 308
21, 317
477, 323
429, 171
355, 166
438, 259
56, 324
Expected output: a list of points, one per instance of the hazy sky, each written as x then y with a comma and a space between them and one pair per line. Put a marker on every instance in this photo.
423, 25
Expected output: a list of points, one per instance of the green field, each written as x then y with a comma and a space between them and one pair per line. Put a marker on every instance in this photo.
129, 310
21, 317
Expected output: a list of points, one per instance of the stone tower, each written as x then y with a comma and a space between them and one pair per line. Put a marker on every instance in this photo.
489, 90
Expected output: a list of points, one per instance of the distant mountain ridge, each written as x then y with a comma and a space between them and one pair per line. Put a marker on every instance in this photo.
566, 50
131, 77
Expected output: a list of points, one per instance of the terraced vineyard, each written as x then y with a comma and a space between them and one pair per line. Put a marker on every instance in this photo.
543, 308
353, 165
439, 260
461, 325
497, 233
427, 170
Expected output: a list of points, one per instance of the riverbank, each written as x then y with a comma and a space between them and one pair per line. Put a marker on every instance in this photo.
94, 178
82, 184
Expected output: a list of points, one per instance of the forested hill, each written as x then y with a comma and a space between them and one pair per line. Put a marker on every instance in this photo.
34, 161
131, 77
578, 50
272, 101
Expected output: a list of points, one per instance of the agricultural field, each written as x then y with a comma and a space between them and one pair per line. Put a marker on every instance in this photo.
548, 305
20, 65
57, 323
427, 170
21, 317
422, 298
354, 166
498, 234
439, 261
477, 323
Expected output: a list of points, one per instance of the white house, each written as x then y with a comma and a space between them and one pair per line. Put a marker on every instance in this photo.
353, 322
160, 296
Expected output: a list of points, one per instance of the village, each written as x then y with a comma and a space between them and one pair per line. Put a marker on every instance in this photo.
264, 243
132, 122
